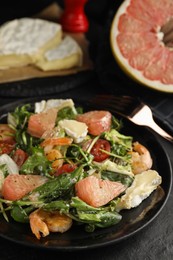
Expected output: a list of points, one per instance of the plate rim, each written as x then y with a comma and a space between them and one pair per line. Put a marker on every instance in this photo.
97, 244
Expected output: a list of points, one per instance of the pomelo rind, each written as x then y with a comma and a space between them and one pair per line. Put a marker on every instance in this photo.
124, 64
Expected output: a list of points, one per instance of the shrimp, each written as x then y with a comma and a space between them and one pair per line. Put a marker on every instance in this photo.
141, 158
57, 141
54, 154
49, 143
43, 222
56, 157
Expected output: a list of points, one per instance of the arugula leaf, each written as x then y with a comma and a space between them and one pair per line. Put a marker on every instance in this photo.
37, 163
62, 205
78, 155
114, 176
19, 118
57, 187
83, 213
94, 217
115, 137
25, 141
116, 123
20, 214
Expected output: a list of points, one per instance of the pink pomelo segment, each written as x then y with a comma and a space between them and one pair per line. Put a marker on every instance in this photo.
97, 192
157, 67
150, 11
127, 24
98, 121
130, 44
140, 40
143, 59
167, 77
163, 9
139, 12
39, 123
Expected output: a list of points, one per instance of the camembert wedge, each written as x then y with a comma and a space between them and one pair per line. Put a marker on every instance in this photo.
66, 55
23, 41
143, 185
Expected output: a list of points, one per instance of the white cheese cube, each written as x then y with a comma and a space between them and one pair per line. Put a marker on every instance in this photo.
76, 130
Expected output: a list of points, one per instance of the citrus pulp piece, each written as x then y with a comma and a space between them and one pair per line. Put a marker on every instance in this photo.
142, 42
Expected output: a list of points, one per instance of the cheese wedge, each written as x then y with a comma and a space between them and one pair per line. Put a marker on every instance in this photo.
22, 41
143, 185
45, 105
66, 55
76, 130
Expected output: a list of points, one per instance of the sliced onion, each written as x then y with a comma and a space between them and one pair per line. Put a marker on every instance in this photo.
12, 167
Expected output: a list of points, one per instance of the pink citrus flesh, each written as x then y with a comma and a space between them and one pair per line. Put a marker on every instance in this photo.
138, 42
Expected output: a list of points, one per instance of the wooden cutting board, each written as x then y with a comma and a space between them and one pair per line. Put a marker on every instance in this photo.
52, 13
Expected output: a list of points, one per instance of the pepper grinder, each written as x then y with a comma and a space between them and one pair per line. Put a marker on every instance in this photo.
73, 18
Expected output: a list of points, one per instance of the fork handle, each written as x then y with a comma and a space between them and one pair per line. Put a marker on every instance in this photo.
160, 131
146, 117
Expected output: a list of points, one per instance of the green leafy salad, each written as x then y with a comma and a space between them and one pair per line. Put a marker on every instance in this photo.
61, 166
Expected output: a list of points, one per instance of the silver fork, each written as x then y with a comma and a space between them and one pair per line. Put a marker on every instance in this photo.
131, 108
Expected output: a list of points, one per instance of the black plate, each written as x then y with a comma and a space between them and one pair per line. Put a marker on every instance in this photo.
133, 220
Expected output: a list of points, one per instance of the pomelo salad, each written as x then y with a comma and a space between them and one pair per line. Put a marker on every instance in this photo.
61, 166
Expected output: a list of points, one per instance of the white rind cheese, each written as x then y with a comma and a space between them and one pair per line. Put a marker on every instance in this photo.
26, 36
66, 55
66, 48
37, 42
143, 185
76, 130
44, 105
23, 40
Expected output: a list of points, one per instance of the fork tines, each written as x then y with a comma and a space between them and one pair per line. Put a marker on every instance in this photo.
123, 105
131, 108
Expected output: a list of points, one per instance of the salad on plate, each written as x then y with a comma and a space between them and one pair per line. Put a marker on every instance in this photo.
61, 166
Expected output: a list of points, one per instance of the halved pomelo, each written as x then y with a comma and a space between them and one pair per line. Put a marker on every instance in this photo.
142, 42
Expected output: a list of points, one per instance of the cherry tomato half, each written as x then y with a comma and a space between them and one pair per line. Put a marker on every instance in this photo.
6, 148
65, 168
99, 155
20, 157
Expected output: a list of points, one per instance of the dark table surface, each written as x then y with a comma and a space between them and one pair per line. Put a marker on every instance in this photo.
152, 242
